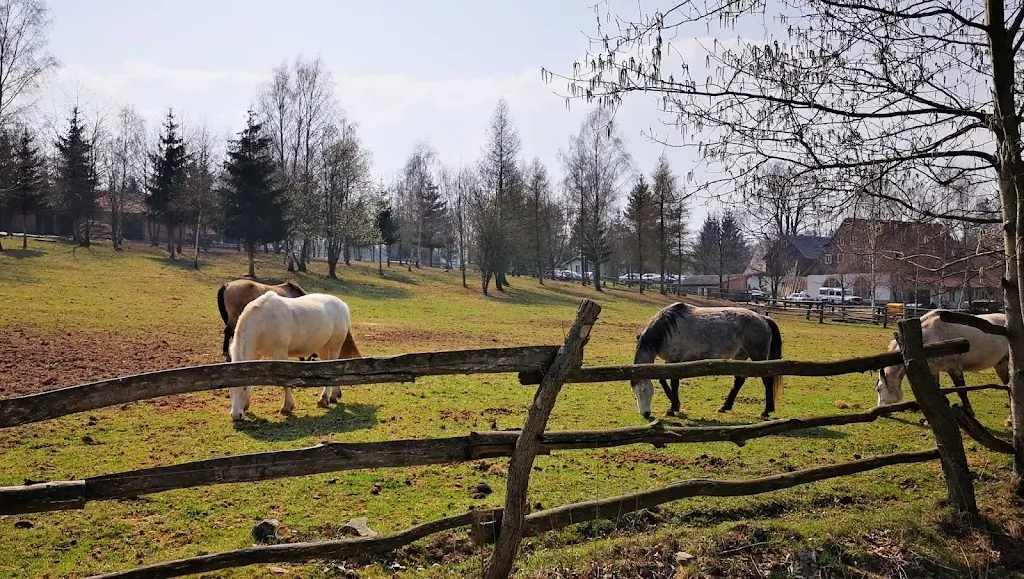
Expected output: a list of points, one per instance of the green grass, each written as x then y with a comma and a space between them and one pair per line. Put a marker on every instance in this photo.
142, 296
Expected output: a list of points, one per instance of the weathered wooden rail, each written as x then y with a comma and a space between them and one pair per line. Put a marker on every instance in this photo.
372, 370
747, 368
344, 456
548, 366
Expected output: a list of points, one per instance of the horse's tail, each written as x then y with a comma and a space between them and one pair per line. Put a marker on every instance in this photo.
775, 353
241, 342
220, 303
349, 349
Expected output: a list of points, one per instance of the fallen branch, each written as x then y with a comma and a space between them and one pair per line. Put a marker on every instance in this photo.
747, 368
374, 370
979, 433
564, 516
972, 321
955, 389
294, 552
341, 456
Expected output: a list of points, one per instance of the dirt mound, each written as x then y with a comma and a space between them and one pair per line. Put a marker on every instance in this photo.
33, 361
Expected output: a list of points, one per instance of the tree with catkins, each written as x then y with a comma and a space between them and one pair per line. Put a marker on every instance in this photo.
167, 181
28, 184
76, 178
927, 89
254, 204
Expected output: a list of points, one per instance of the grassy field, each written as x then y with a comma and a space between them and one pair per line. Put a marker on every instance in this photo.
72, 316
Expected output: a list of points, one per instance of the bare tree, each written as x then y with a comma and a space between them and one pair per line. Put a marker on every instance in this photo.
24, 60
123, 161
459, 185
596, 164
924, 87
345, 183
499, 213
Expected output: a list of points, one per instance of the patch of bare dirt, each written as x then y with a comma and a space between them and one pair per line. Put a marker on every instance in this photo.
405, 339
34, 361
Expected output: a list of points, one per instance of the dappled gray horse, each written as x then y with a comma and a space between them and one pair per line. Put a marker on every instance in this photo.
683, 333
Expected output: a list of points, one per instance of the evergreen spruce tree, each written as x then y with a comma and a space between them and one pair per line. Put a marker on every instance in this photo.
168, 180
254, 203
387, 226
639, 215
7, 164
76, 178
27, 184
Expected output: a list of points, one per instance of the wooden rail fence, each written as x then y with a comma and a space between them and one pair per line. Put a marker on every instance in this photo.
548, 366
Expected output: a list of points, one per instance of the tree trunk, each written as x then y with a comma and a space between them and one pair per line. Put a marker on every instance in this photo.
597, 277
170, 238
380, 259
303, 253
485, 281
662, 242
1011, 177
251, 250
24, 231
348, 254
389, 255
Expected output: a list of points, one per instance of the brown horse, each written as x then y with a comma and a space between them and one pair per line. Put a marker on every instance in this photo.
233, 296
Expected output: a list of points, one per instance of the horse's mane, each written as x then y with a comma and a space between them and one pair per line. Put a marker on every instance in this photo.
295, 288
660, 327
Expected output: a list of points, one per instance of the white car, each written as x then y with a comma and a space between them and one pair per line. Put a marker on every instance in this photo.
799, 297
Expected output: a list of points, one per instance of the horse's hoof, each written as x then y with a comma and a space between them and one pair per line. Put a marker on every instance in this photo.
723, 410
322, 403
334, 399
670, 413
286, 412
238, 418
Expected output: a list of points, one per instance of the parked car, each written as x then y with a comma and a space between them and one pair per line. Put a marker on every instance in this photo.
800, 296
629, 278
756, 295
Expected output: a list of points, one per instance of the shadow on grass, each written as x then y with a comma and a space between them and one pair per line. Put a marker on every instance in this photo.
337, 419
345, 287
818, 432
185, 263
23, 253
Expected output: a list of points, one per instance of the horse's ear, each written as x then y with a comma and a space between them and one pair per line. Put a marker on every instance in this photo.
638, 336
896, 336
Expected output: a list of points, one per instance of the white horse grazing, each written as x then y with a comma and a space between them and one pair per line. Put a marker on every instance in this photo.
277, 328
987, 351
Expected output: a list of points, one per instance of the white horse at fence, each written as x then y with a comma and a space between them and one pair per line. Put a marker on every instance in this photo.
275, 327
987, 351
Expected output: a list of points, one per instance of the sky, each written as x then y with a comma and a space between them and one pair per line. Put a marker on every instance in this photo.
406, 71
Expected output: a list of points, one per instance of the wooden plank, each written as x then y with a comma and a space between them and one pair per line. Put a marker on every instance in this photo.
956, 389
340, 456
747, 368
40, 497
293, 552
566, 515
935, 408
972, 321
373, 370
569, 358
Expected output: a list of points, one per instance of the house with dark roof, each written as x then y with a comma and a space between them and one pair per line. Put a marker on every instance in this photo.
781, 266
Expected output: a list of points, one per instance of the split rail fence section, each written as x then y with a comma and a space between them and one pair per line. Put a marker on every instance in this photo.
549, 367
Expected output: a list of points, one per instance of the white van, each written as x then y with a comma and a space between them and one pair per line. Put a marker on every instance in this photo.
834, 295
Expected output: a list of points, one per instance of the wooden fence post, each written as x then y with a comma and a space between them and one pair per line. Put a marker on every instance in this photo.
569, 358
936, 410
